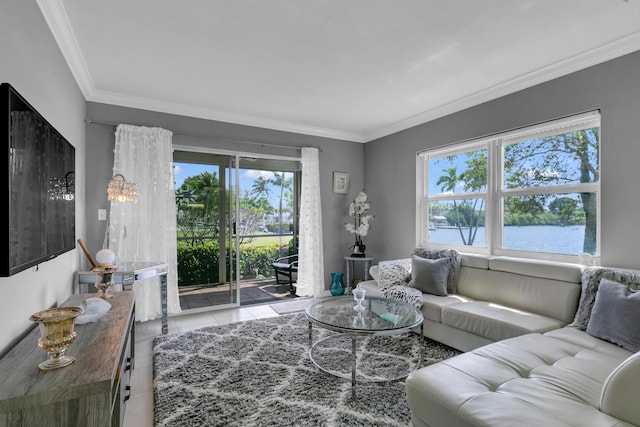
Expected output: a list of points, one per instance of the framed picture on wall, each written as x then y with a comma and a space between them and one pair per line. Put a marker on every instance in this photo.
340, 182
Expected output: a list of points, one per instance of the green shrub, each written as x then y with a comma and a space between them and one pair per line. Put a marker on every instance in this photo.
198, 265
287, 227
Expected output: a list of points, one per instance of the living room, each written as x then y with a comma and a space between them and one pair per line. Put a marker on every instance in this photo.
385, 166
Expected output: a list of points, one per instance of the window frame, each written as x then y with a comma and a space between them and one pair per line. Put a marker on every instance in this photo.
495, 190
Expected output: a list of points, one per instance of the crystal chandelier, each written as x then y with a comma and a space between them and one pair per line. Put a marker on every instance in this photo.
122, 190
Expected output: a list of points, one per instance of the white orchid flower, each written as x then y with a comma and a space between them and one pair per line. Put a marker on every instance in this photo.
358, 209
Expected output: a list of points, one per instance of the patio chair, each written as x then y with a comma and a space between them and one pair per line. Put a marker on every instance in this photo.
286, 269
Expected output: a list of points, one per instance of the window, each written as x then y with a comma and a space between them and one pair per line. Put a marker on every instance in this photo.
534, 192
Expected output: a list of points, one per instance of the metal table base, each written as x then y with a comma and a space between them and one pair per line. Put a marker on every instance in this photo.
354, 337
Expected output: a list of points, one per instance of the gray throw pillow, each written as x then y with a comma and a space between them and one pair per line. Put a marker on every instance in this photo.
452, 256
616, 315
591, 277
429, 275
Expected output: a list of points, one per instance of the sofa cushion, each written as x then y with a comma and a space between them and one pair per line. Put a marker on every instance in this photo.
429, 275
530, 380
495, 321
475, 261
547, 297
564, 272
616, 315
597, 346
432, 305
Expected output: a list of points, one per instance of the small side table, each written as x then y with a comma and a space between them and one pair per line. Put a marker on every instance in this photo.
130, 272
350, 262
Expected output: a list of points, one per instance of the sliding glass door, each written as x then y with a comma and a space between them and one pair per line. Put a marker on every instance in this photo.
205, 216
236, 216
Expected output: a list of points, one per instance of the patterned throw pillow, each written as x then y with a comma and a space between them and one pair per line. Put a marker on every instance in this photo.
404, 293
393, 273
393, 277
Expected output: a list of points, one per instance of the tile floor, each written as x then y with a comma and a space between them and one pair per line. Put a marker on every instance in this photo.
139, 410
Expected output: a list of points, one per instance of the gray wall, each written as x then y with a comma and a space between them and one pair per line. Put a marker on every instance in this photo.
33, 64
612, 87
335, 156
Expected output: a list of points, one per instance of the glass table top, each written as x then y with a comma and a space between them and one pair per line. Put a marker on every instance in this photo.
380, 315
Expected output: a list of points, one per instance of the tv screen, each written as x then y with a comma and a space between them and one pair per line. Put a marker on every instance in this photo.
39, 186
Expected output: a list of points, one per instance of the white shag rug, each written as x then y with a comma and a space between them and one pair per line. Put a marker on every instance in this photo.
258, 373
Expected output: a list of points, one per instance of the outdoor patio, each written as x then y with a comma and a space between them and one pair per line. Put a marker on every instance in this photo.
251, 292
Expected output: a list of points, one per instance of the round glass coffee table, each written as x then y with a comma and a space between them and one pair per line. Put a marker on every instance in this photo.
381, 316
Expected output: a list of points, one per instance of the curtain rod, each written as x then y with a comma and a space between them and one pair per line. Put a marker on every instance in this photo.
219, 138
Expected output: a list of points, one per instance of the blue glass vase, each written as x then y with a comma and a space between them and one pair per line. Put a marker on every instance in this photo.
337, 287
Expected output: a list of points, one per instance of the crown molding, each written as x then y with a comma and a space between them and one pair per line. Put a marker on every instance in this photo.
217, 115
56, 18
606, 52
58, 21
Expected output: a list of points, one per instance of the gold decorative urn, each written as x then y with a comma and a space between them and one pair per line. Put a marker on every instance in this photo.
56, 334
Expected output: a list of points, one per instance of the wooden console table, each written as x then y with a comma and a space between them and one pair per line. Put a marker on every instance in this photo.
130, 272
92, 391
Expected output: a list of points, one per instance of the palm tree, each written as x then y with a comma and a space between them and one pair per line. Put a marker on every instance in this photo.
260, 187
279, 180
474, 178
448, 183
203, 188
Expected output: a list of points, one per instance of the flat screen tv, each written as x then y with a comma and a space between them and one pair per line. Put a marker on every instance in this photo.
39, 186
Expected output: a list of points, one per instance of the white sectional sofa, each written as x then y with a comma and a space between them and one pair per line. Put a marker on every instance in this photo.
524, 365
498, 298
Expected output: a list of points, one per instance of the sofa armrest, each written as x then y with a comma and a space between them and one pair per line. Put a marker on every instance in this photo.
370, 287
621, 389
373, 272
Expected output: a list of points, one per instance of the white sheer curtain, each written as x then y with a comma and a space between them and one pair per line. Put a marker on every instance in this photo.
310, 255
146, 230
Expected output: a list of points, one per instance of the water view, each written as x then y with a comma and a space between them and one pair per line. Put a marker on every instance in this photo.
535, 238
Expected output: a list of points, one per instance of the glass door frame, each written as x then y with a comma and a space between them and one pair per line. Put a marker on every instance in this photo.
234, 237
226, 175
226, 231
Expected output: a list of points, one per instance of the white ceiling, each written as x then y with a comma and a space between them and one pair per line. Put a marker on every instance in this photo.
346, 69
